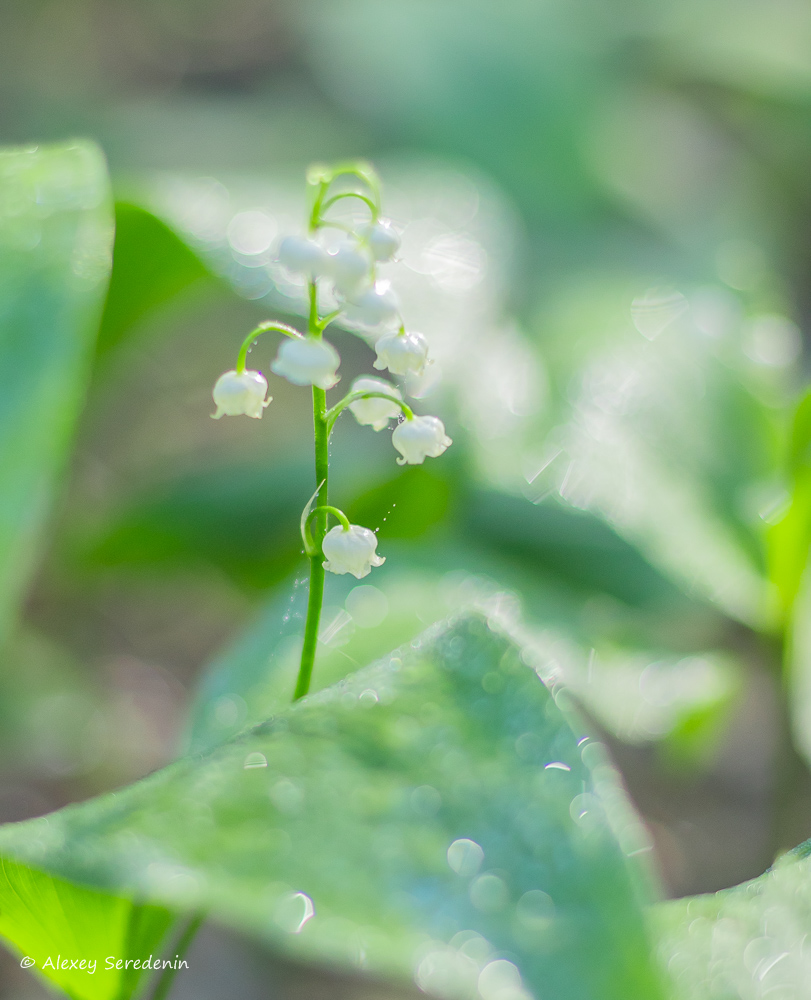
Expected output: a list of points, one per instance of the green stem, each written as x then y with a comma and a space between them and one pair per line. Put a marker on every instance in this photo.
332, 415
316, 595
248, 342
306, 534
351, 194
168, 974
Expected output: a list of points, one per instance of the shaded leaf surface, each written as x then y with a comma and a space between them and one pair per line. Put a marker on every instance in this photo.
152, 265
55, 240
404, 821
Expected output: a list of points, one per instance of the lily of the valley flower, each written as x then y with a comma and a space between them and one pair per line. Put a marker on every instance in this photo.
309, 361
420, 438
402, 353
240, 393
349, 267
351, 550
381, 239
373, 306
302, 256
376, 412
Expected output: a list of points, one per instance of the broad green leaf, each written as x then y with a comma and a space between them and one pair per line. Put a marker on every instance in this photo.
55, 240
71, 933
151, 266
749, 941
434, 817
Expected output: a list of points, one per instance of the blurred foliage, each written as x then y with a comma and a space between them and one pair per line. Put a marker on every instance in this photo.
55, 241
151, 266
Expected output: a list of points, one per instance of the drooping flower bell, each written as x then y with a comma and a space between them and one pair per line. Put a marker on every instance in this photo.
349, 266
373, 306
375, 412
308, 361
420, 438
240, 393
302, 256
351, 550
402, 353
381, 239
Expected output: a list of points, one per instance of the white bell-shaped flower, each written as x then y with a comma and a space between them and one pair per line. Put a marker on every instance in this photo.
302, 256
402, 353
373, 306
309, 361
350, 266
420, 438
240, 393
376, 412
351, 550
381, 239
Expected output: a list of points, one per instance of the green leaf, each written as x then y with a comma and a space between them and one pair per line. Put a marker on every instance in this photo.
790, 536
55, 239
668, 439
434, 817
749, 941
151, 266
53, 922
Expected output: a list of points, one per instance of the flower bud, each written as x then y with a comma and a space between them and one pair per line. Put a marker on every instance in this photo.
237, 393
351, 551
381, 239
373, 306
309, 361
402, 353
376, 412
302, 256
420, 438
349, 267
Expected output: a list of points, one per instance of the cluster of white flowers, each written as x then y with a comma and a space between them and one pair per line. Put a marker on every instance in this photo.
350, 268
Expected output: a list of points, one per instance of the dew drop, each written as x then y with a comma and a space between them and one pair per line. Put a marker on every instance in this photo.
465, 857
255, 759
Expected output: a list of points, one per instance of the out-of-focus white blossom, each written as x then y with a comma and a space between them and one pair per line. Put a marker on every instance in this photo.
302, 256
238, 393
309, 361
420, 438
349, 266
351, 550
402, 353
381, 239
373, 306
375, 411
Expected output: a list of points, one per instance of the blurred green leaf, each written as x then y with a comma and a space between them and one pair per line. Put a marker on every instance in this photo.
50, 920
575, 545
409, 504
405, 822
151, 265
55, 240
789, 538
748, 941
670, 436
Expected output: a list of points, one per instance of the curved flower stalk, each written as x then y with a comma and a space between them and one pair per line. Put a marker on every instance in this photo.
308, 359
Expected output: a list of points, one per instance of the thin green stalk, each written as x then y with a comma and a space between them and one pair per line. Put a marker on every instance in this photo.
168, 974
316, 595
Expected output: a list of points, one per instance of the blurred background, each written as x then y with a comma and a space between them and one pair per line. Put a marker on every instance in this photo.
606, 222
